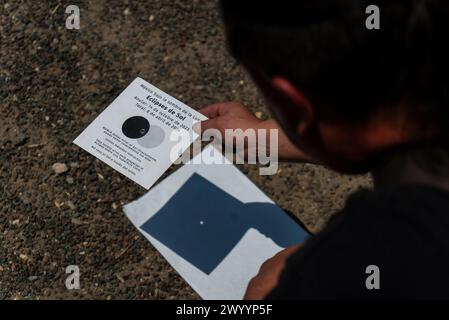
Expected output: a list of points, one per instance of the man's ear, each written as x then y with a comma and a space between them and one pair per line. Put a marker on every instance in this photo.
301, 103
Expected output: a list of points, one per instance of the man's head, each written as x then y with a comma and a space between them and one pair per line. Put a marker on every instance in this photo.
341, 91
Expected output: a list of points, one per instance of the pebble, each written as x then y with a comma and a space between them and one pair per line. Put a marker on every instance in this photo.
74, 165
70, 180
23, 257
70, 205
33, 278
59, 168
78, 222
19, 140
58, 204
120, 278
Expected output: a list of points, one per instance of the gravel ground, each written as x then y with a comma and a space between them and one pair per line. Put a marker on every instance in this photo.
53, 82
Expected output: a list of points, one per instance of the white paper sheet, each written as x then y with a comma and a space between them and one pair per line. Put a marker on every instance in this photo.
135, 134
228, 279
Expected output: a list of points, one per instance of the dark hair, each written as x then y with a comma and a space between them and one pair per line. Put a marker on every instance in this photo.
324, 47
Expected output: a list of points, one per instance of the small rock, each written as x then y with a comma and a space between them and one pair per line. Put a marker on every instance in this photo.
58, 204
78, 222
151, 18
19, 140
15, 222
59, 168
70, 180
258, 114
32, 278
23, 257
70, 205
120, 278
74, 165
126, 12
24, 198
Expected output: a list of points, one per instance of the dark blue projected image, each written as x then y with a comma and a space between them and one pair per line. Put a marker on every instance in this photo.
202, 223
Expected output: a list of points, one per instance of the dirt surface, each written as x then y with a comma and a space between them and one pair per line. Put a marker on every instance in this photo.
53, 82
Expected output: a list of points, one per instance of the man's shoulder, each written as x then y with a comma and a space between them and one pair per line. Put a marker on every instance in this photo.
400, 196
391, 216
424, 205
403, 231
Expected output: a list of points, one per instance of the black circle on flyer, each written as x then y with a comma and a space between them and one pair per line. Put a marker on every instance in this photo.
135, 127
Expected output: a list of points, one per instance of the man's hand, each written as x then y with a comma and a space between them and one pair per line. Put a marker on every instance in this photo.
233, 115
228, 115
268, 276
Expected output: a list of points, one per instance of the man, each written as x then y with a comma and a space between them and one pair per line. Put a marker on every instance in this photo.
355, 100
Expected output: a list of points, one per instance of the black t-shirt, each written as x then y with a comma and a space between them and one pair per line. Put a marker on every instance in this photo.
403, 230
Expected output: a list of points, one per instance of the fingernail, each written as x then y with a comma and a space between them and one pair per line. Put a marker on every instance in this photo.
197, 127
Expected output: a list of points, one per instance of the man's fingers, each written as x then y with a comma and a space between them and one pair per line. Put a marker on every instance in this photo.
287, 251
218, 109
202, 126
211, 111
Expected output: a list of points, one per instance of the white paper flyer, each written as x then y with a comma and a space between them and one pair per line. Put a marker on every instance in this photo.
141, 133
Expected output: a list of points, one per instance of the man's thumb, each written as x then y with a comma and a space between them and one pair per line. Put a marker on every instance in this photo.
202, 126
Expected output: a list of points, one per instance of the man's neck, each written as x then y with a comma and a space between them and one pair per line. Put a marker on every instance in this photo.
409, 167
